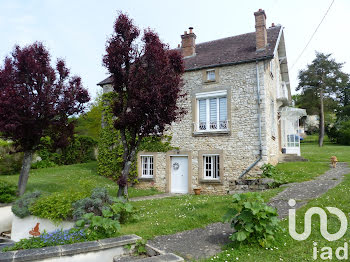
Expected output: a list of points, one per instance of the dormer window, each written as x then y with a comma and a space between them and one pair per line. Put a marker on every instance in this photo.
211, 75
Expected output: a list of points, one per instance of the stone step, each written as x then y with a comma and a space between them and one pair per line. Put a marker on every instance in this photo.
164, 257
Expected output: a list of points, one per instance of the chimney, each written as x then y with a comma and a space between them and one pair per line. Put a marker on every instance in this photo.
260, 29
188, 45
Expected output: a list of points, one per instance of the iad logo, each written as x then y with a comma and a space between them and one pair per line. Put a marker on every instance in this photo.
323, 225
325, 253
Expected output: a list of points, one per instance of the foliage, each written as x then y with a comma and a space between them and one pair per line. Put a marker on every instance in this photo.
340, 132
22, 205
110, 149
100, 202
147, 82
322, 79
7, 191
36, 99
140, 247
80, 149
268, 170
89, 123
99, 227
253, 220
10, 161
58, 237
56, 206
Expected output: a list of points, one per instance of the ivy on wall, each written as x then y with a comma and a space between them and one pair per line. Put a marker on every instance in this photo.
110, 149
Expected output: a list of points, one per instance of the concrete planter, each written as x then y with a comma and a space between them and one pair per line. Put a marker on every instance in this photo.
92, 251
22, 226
6, 217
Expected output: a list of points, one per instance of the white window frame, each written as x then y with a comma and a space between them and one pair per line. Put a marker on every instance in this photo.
214, 167
207, 96
209, 74
149, 171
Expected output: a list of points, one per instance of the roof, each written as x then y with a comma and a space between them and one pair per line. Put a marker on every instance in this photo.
228, 51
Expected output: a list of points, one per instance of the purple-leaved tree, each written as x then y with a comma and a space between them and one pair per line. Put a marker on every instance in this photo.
147, 80
36, 99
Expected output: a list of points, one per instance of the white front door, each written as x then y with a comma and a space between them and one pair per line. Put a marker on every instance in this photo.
179, 174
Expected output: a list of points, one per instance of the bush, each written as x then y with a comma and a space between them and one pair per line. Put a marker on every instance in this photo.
253, 220
10, 162
268, 170
21, 207
7, 192
58, 237
95, 204
57, 206
100, 202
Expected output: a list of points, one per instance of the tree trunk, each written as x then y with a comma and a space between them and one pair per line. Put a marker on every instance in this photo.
321, 124
123, 188
24, 175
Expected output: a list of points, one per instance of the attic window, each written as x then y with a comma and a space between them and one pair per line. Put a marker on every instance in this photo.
211, 75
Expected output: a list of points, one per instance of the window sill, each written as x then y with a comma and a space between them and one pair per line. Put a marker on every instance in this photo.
146, 179
210, 82
210, 181
212, 133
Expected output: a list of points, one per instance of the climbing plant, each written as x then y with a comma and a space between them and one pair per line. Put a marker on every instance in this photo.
110, 149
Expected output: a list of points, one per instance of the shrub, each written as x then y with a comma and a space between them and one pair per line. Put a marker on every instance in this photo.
99, 227
268, 170
42, 164
98, 200
253, 220
22, 205
57, 206
58, 237
7, 192
10, 162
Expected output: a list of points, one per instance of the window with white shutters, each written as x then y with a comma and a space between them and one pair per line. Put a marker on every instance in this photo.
147, 166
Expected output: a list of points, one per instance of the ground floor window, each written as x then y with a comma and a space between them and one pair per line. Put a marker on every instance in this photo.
211, 166
147, 166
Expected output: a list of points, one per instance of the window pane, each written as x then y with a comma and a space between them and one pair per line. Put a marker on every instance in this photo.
202, 111
211, 75
213, 110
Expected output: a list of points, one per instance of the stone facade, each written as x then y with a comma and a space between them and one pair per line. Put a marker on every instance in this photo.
239, 146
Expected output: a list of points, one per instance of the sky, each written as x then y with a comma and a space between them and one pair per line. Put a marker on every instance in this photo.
77, 30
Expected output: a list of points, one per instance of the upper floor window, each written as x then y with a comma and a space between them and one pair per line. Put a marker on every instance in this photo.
271, 66
147, 166
212, 111
211, 75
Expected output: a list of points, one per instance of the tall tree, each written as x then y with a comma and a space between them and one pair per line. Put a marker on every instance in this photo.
147, 80
324, 78
36, 99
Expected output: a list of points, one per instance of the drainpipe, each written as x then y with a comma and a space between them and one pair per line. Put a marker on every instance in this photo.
259, 123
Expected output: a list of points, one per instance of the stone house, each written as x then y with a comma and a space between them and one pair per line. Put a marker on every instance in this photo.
238, 115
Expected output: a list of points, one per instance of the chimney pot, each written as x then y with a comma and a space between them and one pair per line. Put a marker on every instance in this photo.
273, 25
178, 45
185, 33
191, 29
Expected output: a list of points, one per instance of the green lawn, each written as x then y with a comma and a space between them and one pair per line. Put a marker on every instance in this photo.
286, 248
72, 177
175, 214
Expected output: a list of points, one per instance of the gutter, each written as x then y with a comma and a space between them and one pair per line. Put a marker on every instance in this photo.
259, 123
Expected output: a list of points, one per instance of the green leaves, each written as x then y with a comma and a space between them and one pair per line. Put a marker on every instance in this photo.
253, 220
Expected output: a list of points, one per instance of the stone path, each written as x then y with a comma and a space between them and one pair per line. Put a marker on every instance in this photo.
205, 242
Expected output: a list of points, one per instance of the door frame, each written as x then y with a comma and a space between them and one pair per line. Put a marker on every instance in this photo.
170, 154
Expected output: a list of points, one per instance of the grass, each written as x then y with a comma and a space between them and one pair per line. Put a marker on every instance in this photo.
72, 177
286, 248
175, 214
